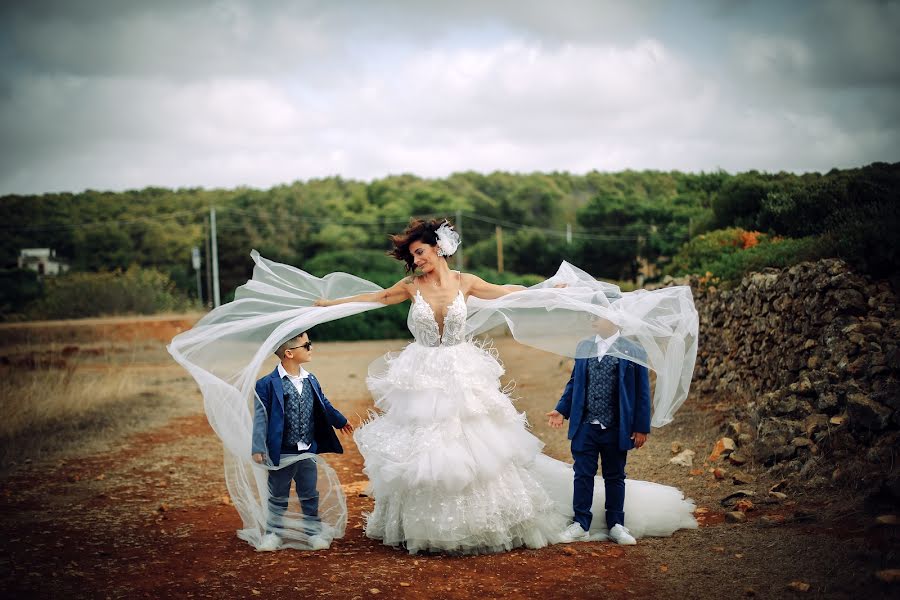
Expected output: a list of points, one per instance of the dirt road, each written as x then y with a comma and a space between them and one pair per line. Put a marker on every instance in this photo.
140, 510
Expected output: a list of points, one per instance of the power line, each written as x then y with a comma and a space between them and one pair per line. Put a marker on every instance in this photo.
103, 223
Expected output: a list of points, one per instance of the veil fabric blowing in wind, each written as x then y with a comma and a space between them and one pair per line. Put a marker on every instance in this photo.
232, 346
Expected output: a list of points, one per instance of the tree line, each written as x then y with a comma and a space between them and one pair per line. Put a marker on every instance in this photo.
611, 224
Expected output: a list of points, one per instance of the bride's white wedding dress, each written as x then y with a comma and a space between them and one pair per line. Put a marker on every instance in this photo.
452, 466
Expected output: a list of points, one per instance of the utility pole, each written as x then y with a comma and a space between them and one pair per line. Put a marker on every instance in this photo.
569, 234
195, 262
639, 271
459, 250
499, 234
208, 265
215, 256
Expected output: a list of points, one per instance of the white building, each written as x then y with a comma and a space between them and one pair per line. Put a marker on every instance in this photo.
41, 260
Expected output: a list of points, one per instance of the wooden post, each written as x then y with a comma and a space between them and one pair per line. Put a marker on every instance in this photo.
499, 235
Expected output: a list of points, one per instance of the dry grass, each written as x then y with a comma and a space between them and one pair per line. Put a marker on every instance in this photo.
56, 395
29, 400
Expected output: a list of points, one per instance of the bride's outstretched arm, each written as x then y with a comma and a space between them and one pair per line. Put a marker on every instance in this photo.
393, 295
480, 288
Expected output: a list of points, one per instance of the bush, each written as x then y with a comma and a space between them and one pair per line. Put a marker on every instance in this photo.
729, 254
698, 254
135, 291
18, 288
774, 252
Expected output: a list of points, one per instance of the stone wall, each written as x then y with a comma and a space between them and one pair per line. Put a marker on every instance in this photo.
808, 358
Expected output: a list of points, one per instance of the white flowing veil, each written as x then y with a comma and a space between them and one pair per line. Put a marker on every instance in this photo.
657, 329
225, 353
226, 350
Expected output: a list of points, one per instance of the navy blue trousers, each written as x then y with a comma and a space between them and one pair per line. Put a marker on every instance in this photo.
304, 474
590, 444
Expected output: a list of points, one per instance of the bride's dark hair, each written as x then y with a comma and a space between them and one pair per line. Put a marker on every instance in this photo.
418, 230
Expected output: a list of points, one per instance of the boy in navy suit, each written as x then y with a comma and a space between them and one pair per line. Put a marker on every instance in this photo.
292, 416
607, 402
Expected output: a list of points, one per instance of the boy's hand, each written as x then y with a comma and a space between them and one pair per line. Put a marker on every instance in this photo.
555, 419
258, 458
639, 439
347, 429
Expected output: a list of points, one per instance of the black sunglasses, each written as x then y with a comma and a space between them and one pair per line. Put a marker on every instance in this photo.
307, 345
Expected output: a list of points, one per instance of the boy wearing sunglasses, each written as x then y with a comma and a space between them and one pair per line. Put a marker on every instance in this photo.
293, 417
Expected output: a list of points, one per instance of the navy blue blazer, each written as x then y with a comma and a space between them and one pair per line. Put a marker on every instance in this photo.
268, 418
634, 394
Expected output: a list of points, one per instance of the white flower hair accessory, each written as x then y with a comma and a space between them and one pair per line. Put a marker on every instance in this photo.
447, 239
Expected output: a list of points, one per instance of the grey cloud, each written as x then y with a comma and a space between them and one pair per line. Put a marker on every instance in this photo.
126, 94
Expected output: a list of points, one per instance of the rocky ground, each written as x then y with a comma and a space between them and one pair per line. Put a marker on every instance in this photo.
135, 506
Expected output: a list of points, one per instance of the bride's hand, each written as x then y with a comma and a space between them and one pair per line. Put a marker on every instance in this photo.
322, 302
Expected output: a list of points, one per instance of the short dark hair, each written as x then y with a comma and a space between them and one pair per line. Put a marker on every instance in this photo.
418, 230
279, 351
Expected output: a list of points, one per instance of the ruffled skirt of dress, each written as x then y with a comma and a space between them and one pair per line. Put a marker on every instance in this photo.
453, 468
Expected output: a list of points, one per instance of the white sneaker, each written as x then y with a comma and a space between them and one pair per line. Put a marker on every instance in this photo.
621, 535
269, 543
317, 542
574, 533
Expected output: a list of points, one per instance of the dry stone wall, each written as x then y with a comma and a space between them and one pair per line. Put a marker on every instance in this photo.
808, 356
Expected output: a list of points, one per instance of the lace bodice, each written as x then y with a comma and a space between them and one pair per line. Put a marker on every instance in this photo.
423, 324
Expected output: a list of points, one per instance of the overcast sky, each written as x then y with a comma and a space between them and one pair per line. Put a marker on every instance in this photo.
118, 95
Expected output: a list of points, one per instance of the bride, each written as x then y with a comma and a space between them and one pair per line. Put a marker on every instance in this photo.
451, 464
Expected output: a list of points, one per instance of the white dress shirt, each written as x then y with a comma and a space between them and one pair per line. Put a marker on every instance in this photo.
297, 380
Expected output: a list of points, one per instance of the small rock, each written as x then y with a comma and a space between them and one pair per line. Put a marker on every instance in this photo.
736, 496
739, 478
163, 507
888, 575
374, 591
737, 459
685, 458
405, 584
778, 495
677, 447
838, 420
771, 520
735, 517
663, 568
719, 473
815, 423
723, 447
744, 505
798, 586
570, 551
865, 413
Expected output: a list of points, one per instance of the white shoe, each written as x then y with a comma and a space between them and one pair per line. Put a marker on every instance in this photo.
317, 542
269, 543
574, 533
621, 535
